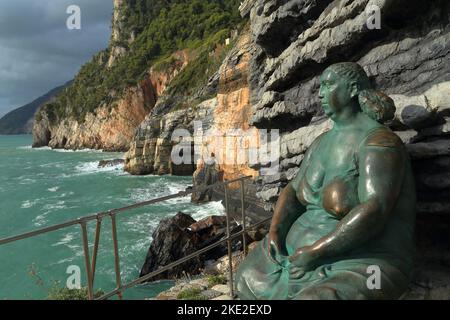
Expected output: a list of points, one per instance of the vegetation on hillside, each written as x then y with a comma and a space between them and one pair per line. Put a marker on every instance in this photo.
162, 27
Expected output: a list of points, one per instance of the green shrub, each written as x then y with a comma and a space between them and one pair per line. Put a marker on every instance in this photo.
56, 293
191, 294
162, 27
215, 280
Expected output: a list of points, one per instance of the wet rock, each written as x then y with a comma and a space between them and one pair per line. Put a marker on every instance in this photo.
110, 163
434, 181
430, 149
209, 226
180, 236
269, 193
407, 136
222, 288
210, 294
205, 175
172, 241
438, 130
293, 162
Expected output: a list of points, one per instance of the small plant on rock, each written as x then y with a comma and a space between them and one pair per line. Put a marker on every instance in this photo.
191, 294
216, 279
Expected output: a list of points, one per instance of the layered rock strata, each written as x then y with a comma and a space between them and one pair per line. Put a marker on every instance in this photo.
113, 125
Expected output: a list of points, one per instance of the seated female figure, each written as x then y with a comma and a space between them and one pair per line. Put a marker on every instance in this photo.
348, 213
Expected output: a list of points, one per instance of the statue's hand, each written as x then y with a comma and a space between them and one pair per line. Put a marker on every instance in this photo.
303, 260
275, 251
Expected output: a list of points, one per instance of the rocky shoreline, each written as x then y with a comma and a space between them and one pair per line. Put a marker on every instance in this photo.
211, 284
179, 236
270, 80
207, 278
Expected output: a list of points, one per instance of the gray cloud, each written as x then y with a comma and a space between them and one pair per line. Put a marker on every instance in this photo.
38, 52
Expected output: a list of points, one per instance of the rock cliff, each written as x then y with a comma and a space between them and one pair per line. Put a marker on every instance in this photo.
407, 57
110, 127
152, 42
270, 80
229, 109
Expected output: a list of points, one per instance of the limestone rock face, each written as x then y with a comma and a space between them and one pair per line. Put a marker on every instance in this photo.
217, 126
228, 134
151, 148
113, 126
118, 32
110, 128
408, 58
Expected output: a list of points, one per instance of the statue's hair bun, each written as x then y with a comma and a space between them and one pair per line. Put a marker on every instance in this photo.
376, 105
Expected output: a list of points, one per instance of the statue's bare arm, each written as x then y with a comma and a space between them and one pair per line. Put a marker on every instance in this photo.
288, 207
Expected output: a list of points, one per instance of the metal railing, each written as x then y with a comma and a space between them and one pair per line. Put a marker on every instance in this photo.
90, 265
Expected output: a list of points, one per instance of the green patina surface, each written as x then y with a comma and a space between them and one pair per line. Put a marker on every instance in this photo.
350, 207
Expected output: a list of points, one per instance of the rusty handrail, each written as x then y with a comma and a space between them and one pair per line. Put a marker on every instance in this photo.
91, 266
101, 215
180, 261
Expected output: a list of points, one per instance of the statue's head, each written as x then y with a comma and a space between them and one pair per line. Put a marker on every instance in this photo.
346, 85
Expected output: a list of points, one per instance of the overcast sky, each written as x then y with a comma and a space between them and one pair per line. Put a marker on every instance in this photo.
39, 53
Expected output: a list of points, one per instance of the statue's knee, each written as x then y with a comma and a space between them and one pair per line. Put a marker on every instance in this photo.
244, 291
318, 293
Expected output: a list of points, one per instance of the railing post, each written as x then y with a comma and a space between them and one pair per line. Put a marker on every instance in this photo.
116, 254
90, 268
96, 243
244, 228
230, 253
86, 260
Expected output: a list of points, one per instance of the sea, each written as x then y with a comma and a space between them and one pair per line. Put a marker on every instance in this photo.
40, 187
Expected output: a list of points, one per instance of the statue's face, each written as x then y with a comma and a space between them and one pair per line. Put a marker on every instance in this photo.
335, 93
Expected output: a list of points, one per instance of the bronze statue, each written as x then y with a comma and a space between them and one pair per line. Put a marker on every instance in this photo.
350, 208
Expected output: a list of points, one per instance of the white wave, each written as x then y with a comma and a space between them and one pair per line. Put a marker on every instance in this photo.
54, 189
137, 247
31, 148
40, 220
28, 204
68, 237
27, 181
214, 208
55, 206
92, 167
52, 165
175, 187
157, 189
79, 150
24, 147
63, 261
47, 148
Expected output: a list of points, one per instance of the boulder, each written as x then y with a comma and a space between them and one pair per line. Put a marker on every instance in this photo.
430, 149
110, 163
181, 235
172, 241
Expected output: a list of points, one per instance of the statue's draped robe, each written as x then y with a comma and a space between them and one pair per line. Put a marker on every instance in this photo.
345, 276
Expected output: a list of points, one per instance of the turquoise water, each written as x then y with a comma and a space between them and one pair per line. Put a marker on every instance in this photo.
42, 187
